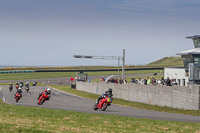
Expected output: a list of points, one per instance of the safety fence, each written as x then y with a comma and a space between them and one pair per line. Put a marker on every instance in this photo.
17, 71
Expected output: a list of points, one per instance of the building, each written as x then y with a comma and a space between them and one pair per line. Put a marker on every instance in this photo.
190, 73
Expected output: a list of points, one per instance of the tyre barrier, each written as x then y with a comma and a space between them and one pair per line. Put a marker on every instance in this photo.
18, 71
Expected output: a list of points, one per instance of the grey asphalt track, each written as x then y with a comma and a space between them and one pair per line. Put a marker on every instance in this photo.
65, 101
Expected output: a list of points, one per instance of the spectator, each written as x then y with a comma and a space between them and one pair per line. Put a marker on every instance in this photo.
112, 80
141, 81
154, 82
162, 81
173, 82
132, 80
103, 79
125, 81
120, 81
116, 81
158, 81
168, 82
149, 81
145, 81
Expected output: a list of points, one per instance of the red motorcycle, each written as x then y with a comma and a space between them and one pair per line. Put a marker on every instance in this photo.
17, 96
17, 86
103, 103
43, 98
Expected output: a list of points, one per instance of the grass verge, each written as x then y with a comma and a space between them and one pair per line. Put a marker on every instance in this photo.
41, 120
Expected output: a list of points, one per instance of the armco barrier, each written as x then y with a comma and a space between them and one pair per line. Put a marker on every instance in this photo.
17, 71
176, 96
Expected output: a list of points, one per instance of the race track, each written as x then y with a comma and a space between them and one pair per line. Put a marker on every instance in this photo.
65, 101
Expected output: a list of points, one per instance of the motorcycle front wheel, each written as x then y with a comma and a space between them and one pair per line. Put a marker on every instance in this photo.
42, 101
95, 107
104, 106
17, 99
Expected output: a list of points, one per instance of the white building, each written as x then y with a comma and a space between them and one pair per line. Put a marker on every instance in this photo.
190, 73
178, 74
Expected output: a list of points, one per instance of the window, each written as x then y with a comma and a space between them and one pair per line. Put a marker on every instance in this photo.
179, 81
186, 60
197, 60
183, 82
196, 43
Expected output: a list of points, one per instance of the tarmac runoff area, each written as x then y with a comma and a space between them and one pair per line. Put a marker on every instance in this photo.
64, 101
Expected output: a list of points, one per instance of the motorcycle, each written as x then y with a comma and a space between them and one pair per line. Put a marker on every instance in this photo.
10, 88
17, 96
17, 86
43, 98
27, 88
103, 103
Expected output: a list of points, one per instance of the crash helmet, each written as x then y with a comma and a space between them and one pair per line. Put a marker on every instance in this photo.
48, 90
19, 88
110, 90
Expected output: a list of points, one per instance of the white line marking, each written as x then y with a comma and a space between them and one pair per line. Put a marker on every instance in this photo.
4, 96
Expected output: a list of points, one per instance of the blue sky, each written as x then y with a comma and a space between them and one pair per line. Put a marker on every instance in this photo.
50, 32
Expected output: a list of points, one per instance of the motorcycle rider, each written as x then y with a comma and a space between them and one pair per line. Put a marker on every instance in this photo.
17, 85
19, 91
107, 93
21, 84
34, 83
27, 85
11, 86
48, 91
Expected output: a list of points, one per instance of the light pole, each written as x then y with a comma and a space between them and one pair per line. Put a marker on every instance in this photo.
123, 59
106, 58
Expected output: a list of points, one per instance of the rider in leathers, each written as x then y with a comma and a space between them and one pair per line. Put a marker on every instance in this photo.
107, 93
11, 86
27, 85
48, 91
19, 91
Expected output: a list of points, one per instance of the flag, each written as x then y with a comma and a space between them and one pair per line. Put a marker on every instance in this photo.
72, 79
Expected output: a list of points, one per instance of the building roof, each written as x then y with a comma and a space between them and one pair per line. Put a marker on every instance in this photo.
193, 37
190, 52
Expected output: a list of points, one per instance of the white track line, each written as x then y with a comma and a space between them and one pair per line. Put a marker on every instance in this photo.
4, 96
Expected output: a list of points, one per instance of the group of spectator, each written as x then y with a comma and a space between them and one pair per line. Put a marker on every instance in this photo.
115, 80
153, 81
145, 81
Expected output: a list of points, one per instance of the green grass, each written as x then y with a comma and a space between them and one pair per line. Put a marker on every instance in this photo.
21, 119
45, 75
167, 62
128, 103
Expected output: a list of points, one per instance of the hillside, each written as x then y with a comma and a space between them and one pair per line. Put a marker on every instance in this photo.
167, 62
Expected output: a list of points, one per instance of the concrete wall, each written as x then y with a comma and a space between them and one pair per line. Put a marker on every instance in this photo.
176, 96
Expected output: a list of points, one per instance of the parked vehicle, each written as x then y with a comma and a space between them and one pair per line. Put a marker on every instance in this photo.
103, 103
